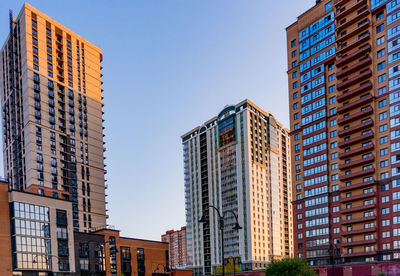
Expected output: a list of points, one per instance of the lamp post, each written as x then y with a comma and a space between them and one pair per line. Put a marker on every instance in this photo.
221, 219
47, 256
333, 257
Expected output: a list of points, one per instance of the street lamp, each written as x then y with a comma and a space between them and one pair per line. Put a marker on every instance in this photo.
221, 219
34, 261
333, 256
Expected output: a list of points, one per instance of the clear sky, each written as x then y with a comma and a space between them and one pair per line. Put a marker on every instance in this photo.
170, 65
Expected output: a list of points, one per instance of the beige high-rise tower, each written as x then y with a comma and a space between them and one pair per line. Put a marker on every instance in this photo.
238, 162
50, 80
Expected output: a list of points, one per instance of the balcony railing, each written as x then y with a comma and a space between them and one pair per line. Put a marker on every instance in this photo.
354, 80
354, 92
356, 174
355, 116
356, 128
356, 151
354, 55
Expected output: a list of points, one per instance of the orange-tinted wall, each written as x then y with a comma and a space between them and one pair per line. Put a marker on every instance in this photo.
5, 237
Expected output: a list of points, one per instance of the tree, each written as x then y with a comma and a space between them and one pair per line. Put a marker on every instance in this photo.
289, 267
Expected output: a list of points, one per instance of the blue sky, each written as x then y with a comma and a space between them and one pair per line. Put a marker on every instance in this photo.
170, 65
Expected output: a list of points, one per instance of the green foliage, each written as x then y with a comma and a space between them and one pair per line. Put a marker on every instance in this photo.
381, 274
289, 267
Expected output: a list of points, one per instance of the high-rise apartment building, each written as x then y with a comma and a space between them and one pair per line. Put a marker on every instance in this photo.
343, 70
177, 247
238, 161
50, 81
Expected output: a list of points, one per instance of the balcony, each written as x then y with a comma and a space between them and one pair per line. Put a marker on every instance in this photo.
356, 243
358, 78
353, 68
359, 231
358, 208
355, 116
352, 20
356, 54
339, 3
356, 128
350, 45
342, 12
356, 174
357, 186
360, 102
356, 151
355, 140
354, 31
358, 220
354, 92
357, 197
358, 254
356, 163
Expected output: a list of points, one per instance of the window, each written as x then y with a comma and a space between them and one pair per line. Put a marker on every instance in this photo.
384, 163
334, 166
295, 95
295, 106
383, 128
379, 16
331, 77
334, 155
382, 103
335, 177
331, 66
380, 40
382, 91
295, 85
328, 6
381, 53
332, 111
332, 100
382, 116
334, 144
384, 151
385, 199
294, 53
296, 116
381, 78
294, 75
332, 88
381, 65
383, 140
333, 133
385, 211
380, 28
294, 63
293, 43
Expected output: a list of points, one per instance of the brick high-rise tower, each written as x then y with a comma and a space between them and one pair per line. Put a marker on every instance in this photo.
50, 81
343, 60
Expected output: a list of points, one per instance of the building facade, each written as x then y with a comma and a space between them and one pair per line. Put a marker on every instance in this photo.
177, 247
129, 256
36, 232
50, 81
239, 162
343, 71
